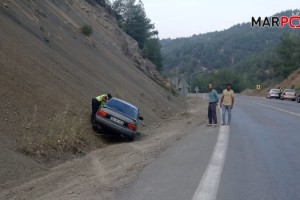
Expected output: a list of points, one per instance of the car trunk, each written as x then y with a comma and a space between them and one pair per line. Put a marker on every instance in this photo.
117, 117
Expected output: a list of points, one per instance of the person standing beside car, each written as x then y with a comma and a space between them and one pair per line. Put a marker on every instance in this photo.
226, 103
279, 92
98, 102
213, 99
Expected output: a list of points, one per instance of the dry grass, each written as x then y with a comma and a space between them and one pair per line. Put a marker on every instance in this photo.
66, 136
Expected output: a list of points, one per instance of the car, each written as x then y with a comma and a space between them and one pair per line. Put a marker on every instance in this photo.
273, 93
298, 98
118, 117
288, 94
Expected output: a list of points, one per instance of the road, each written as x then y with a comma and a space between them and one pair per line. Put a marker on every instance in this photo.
256, 158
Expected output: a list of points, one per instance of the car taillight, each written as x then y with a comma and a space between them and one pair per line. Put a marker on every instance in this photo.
101, 113
132, 127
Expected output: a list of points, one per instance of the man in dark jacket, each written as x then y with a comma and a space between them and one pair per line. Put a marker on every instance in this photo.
213, 99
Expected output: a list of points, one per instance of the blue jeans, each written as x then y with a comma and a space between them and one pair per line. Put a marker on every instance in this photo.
227, 109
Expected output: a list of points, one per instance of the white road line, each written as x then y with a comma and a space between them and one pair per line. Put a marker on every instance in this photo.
282, 110
209, 184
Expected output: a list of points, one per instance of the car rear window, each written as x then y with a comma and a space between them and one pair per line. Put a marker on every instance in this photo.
289, 90
122, 108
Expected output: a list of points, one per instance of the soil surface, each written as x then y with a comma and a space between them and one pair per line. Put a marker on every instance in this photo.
49, 72
101, 173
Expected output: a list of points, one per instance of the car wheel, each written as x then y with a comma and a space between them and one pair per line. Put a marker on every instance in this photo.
96, 127
131, 137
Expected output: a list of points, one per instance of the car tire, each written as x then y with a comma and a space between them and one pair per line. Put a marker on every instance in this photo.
131, 138
96, 127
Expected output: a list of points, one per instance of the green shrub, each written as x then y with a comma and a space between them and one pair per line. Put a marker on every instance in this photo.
87, 30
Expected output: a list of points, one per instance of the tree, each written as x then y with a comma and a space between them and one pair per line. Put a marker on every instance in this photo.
152, 51
248, 52
288, 52
133, 20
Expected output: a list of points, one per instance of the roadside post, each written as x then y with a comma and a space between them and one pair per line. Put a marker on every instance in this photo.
196, 90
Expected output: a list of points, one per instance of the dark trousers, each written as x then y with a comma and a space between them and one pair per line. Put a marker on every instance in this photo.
95, 107
212, 113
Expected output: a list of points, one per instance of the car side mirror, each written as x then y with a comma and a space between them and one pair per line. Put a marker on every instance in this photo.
141, 118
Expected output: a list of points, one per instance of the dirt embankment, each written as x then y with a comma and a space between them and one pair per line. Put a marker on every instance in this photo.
101, 173
49, 71
293, 81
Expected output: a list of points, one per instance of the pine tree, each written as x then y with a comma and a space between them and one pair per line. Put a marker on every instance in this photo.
133, 20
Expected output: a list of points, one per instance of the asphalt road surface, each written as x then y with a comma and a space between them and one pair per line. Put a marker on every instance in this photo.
257, 157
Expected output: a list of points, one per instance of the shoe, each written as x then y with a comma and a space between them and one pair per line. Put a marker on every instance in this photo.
214, 125
209, 124
223, 124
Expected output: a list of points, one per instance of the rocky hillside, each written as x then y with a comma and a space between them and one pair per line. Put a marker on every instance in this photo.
50, 70
293, 81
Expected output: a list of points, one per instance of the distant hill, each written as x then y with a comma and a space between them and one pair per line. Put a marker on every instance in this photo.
240, 48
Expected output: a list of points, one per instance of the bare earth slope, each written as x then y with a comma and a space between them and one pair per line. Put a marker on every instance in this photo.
293, 81
49, 71
100, 174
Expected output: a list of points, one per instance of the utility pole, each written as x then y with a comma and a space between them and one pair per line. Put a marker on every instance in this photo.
198, 72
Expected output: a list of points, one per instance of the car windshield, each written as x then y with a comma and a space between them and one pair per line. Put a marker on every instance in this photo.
122, 108
290, 90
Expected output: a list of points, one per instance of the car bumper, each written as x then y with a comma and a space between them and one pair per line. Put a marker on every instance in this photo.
274, 95
288, 97
117, 129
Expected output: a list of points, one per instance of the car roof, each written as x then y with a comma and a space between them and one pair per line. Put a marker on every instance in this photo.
289, 89
125, 102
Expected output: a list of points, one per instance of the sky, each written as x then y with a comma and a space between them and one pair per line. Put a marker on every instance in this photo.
184, 18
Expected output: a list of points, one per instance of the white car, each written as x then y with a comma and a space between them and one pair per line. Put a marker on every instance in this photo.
289, 94
273, 93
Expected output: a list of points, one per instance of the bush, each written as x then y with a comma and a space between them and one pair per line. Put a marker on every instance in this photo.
87, 30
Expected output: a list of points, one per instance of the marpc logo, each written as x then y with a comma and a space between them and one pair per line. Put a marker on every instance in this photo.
281, 22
